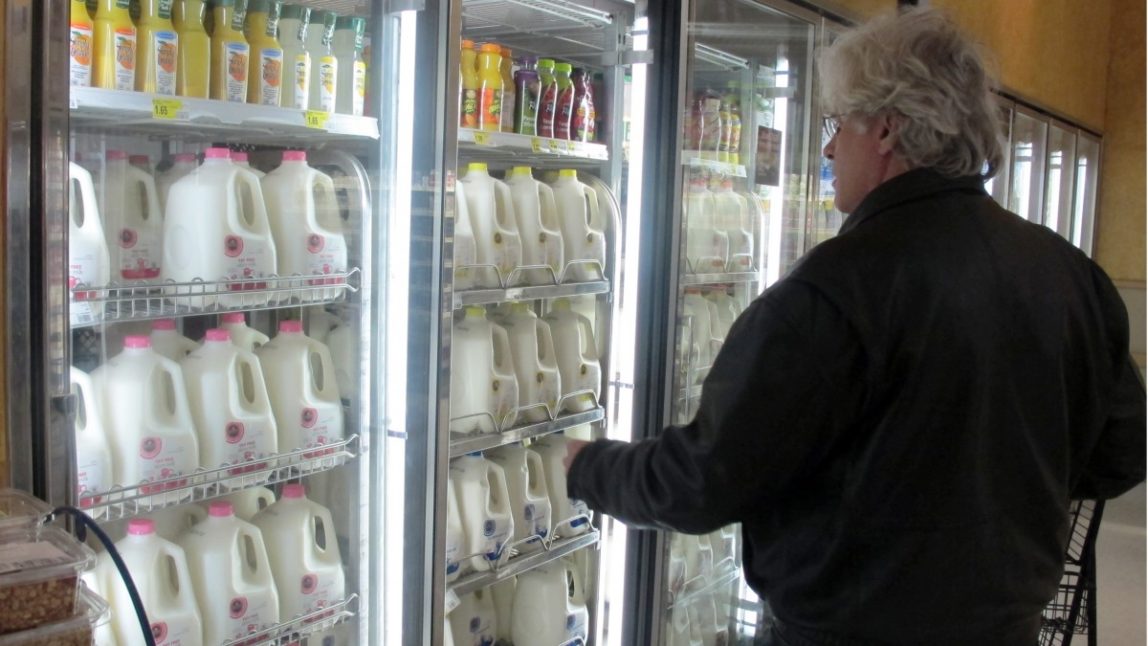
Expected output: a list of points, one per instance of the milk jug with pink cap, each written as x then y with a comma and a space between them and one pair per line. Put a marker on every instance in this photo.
304, 395
168, 342
242, 336
181, 164
133, 221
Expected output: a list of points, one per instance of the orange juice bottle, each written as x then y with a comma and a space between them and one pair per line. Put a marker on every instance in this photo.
193, 71
114, 63
468, 107
230, 55
158, 53
80, 45
265, 74
490, 94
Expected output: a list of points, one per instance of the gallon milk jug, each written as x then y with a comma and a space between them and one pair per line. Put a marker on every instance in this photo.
726, 308
705, 344
144, 404
304, 553
172, 522
583, 227
230, 406
342, 344
550, 606
159, 571
535, 363
529, 498
503, 593
465, 247
132, 219
320, 322
301, 382
707, 249
732, 217
242, 336
88, 261
484, 506
491, 209
181, 164
216, 229
473, 622
577, 353
483, 388
538, 226
305, 221
248, 502
168, 342
231, 574
242, 160
93, 452
455, 536
568, 517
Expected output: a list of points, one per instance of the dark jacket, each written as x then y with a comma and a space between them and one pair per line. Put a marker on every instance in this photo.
900, 422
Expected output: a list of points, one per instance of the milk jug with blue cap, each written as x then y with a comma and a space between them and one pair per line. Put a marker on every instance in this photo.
535, 363
568, 517
484, 506
483, 385
550, 606
732, 217
473, 622
529, 497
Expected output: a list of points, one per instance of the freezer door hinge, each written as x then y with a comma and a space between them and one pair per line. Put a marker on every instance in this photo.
65, 405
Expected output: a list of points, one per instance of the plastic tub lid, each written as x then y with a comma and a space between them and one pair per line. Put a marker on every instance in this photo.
91, 612
21, 510
141, 526
53, 553
221, 509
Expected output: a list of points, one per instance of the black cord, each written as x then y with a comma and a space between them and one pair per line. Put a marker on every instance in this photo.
84, 523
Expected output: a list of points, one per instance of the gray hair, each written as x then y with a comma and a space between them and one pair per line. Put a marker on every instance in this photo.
917, 67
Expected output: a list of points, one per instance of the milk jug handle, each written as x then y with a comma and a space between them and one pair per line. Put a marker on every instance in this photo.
150, 196
176, 554
595, 212
501, 342
546, 340
535, 463
504, 207
579, 589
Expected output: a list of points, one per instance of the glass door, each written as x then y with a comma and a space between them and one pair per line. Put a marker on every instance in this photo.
1087, 185
998, 185
1058, 202
1026, 165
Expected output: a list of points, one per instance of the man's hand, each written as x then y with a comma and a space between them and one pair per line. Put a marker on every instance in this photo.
572, 449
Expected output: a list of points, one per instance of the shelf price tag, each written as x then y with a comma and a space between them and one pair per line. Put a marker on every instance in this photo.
165, 108
536, 144
554, 147
317, 119
570, 147
481, 138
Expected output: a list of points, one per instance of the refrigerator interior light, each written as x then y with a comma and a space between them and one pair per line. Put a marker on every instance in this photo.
777, 201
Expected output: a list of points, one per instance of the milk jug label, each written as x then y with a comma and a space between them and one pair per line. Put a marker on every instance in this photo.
318, 591
302, 80
248, 258
166, 54
496, 534
160, 459
236, 60
328, 70
581, 511
360, 94
325, 255
125, 42
245, 441
315, 427
271, 77
174, 634
139, 249
575, 626
80, 55
91, 478
246, 616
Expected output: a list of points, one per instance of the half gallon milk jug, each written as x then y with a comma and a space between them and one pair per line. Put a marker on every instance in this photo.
301, 382
503, 593
144, 404
230, 406
172, 522
88, 260
304, 553
473, 622
484, 505
535, 363
583, 227
159, 570
491, 209
707, 249
93, 453
465, 247
538, 226
529, 498
305, 221
132, 219
181, 164
483, 388
577, 353
342, 344
231, 574
455, 536
550, 606
248, 502
242, 336
568, 517
732, 217
168, 342
216, 229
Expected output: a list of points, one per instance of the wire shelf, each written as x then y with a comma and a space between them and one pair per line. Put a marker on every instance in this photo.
690, 280
580, 31
514, 564
462, 444
290, 632
518, 149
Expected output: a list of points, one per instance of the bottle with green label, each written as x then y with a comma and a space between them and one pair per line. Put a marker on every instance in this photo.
324, 64
157, 52
352, 79
293, 26
265, 73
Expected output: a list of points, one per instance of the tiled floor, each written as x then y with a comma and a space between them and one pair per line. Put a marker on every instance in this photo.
1120, 568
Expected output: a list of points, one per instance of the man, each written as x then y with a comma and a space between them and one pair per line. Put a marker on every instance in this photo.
900, 423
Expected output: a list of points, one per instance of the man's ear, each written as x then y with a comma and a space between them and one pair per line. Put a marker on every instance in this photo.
890, 126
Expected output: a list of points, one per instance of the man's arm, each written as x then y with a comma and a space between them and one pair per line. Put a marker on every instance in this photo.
1117, 461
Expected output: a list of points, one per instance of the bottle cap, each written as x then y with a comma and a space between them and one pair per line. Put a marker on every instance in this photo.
141, 526
507, 53
163, 324
519, 308
294, 155
137, 341
184, 157
117, 154
490, 48
563, 68
522, 170
291, 327
221, 509
217, 153
238, 156
139, 159
467, 44
294, 491
234, 317
546, 62
568, 172
479, 166
216, 335
561, 305
475, 310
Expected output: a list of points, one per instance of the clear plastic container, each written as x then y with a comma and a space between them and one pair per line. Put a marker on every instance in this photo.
21, 511
39, 577
77, 630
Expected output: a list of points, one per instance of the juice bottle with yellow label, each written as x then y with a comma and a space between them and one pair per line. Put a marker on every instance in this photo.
80, 45
294, 24
114, 63
468, 106
157, 57
193, 71
490, 80
324, 64
265, 74
230, 55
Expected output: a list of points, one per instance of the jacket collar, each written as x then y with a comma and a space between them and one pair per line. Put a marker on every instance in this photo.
914, 185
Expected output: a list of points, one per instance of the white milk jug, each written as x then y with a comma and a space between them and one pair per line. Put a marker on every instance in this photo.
483, 387
705, 343
172, 522
181, 164
474, 622
231, 574
484, 506
503, 593
132, 219
216, 229
301, 382
577, 353
535, 363
529, 497
242, 336
342, 343
230, 406
241, 159
96, 579
168, 342
88, 261
732, 217
304, 553
583, 227
144, 404
320, 322
550, 606
93, 452
538, 226
707, 249
305, 221
455, 536
727, 312
493, 223
568, 517
465, 247
159, 571
248, 502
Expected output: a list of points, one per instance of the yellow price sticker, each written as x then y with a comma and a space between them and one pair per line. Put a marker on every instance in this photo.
481, 138
165, 108
536, 144
317, 119
554, 148
570, 147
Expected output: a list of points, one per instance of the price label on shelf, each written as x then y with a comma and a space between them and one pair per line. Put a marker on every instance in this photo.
536, 144
554, 146
570, 147
481, 138
165, 108
317, 119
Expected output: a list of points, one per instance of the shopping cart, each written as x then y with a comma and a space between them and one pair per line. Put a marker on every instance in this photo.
1073, 610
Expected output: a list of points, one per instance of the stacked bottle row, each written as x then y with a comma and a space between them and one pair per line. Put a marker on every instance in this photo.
721, 225
708, 316
235, 570
528, 96
221, 220
165, 406
523, 231
254, 51
712, 126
